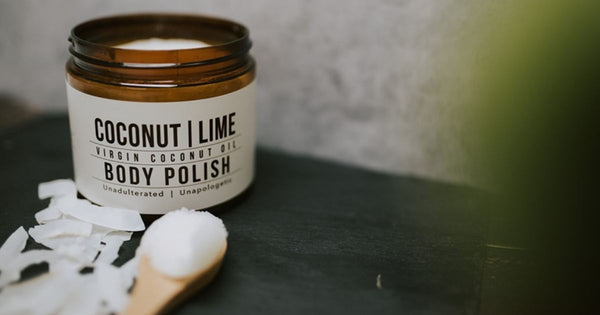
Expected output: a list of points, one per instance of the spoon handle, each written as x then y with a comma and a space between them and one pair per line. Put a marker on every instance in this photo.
156, 293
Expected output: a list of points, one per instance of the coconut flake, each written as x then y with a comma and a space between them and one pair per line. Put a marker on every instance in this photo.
82, 249
62, 201
93, 242
118, 235
129, 272
110, 252
113, 218
57, 188
41, 295
111, 287
78, 253
101, 231
85, 300
12, 270
66, 264
58, 228
113, 241
13, 246
47, 215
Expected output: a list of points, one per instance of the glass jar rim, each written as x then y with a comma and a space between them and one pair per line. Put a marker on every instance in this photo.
94, 41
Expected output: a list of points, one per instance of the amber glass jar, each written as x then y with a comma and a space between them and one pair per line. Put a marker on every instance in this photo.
156, 130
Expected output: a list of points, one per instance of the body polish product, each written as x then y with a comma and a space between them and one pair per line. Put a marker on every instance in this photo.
161, 110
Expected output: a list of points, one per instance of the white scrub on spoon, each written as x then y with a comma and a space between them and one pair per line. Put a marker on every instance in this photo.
183, 242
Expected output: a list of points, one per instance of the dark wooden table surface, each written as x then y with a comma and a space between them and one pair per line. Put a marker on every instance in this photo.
310, 237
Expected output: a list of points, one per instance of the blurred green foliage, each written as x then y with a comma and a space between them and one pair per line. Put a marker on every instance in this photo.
535, 110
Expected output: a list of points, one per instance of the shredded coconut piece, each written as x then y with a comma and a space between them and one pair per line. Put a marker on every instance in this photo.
103, 231
118, 235
183, 242
113, 218
12, 271
41, 295
110, 252
111, 287
66, 264
57, 188
91, 245
58, 228
129, 272
47, 215
13, 246
85, 300
62, 201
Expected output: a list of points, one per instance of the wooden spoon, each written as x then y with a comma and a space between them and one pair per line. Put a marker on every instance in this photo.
157, 293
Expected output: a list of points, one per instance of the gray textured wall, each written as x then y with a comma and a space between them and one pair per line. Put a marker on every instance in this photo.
355, 81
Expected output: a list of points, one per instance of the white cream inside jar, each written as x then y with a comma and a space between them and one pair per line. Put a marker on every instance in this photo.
163, 44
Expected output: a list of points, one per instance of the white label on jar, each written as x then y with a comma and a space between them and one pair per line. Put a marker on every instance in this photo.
157, 157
